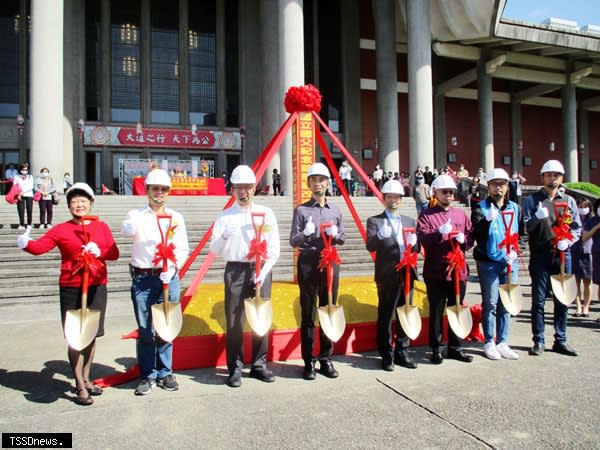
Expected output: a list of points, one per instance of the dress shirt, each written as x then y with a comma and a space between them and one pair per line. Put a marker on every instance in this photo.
329, 213
148, 236
396, 224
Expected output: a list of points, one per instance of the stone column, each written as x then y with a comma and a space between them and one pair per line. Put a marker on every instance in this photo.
486, 116
569, 125
47, 121
420, 91
290, 32
387, 91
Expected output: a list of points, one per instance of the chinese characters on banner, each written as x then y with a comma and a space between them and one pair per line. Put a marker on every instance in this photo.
303, 155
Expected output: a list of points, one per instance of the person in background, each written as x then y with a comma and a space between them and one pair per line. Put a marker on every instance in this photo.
233, 239
44, 184
67, 182
422, 194
25, 199
542, 224
462, 172
385, 237
155, 356
305, 235
378, 176
276, 182
97, 243
490, 220
514, 185
581, 253
590, 233
474, 196
435, 227
428, 174
9, 174
345, 172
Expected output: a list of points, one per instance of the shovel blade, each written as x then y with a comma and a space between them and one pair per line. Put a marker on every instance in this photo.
81, 327
564, 287
410, 319
460, 320
167, 319
511, 297
332, 321
259, 314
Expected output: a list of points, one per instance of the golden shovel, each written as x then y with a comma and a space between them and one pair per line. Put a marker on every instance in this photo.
459, 316
408, 314
259, 311
564, 284
510, 294
331, 317
81, 325
167, 317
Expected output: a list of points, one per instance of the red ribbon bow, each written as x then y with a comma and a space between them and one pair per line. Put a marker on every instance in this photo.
511, 240
257, 249
409, 258
164, 253
85, 259
329, 255
561, 231
456, 261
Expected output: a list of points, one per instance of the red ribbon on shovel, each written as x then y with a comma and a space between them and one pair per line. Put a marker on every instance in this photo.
329, 254
86, 261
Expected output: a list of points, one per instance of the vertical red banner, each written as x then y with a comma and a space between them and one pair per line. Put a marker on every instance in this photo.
303, 156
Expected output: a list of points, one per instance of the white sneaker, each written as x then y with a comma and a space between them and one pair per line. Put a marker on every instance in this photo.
506, 352
490, 351
21, 228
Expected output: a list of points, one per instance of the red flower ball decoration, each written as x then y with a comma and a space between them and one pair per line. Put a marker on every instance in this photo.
302, 98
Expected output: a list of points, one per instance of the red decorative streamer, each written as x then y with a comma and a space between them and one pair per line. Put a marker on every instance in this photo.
329, 255
302, 98
164, 253
409, 258
87, 260
257, 249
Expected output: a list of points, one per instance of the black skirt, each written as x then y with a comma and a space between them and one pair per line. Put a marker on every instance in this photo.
70, 298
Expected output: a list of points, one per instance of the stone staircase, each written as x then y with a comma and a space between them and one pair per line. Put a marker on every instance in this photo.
24, 277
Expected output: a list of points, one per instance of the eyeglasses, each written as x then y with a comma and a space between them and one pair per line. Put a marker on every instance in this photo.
447, 191
156, 188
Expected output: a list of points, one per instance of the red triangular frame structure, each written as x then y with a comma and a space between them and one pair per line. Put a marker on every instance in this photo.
259, 167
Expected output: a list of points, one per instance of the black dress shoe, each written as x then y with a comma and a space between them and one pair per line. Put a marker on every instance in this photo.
436, 358
235, 379
388, 366
405, 361
262, 374
563, 349
537, 349
328, 370
459, 355
309, 372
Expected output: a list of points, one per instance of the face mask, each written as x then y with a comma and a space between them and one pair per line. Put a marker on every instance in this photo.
584, 211
44, 174
23, 172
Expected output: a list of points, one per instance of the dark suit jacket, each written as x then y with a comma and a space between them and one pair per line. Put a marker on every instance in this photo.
387, 250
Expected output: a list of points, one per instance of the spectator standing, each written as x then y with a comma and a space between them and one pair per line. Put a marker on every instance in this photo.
25, 199
428, 174
581, 252
44, 184
276, 182
590, 233
514, 185
67, 182
9, 174
345, 172
378, 176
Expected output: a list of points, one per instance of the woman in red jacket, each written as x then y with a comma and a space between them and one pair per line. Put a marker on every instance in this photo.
73, 241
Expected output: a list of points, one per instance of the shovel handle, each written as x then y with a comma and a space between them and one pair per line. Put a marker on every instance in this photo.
258, 222
508, 218
405, 232
327, 241
560, 209
164, 237
455, 275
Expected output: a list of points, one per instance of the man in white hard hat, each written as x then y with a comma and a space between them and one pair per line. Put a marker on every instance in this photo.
155, 356
385, 237
305, 235
496, 221
546, 241
435, 226
234, 238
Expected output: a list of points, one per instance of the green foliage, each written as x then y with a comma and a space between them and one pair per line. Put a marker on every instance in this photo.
587, 187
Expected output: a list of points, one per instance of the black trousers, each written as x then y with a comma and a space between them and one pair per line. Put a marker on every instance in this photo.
391, 295
441, 293
46, 209
25, 202
313, 284
239, 285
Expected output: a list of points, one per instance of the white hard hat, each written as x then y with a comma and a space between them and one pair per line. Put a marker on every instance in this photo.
552, 165
443, 182
318, 169
80, 187
392, 187
498, 174
242, 175
158, 177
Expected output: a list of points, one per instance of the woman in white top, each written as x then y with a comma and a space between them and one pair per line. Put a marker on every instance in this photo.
25, 199
45, 185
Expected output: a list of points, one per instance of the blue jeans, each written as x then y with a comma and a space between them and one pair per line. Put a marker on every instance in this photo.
541, 266
421, 207
491, 275
155, 356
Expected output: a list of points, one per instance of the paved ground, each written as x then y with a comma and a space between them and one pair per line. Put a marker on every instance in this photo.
549, 401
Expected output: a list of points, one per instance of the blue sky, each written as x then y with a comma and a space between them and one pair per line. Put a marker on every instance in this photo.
584, 12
